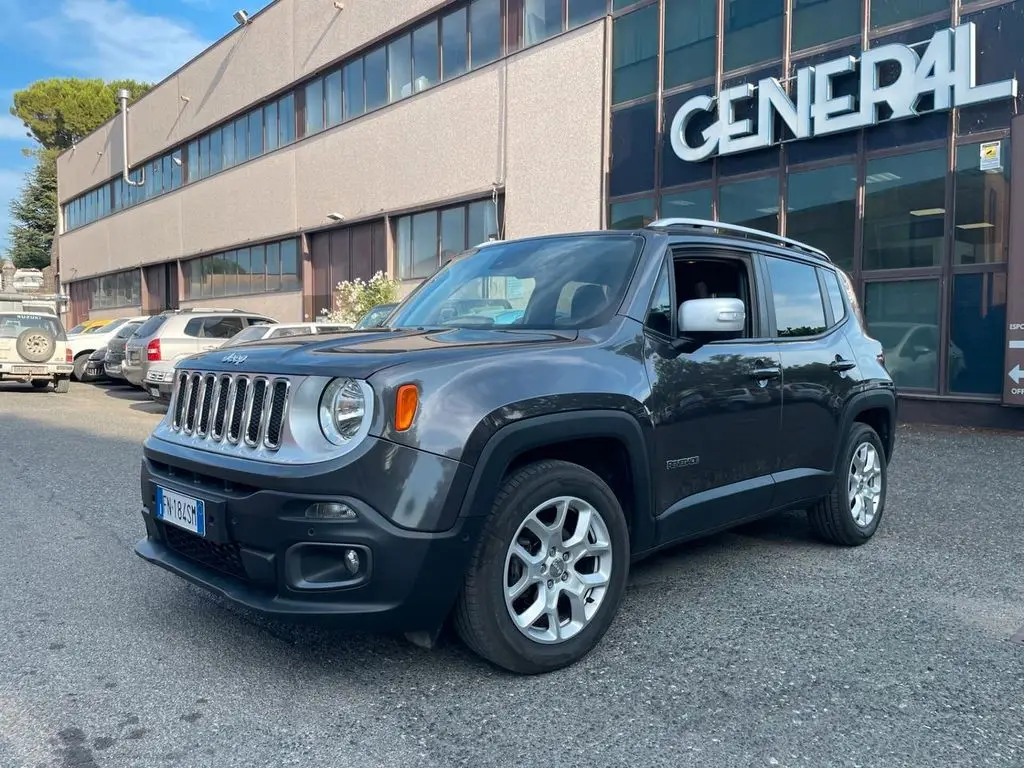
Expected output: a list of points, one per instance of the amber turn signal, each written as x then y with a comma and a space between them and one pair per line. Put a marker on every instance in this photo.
406, 402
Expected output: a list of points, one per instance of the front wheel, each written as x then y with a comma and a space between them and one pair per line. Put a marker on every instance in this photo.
851, 513
550, 570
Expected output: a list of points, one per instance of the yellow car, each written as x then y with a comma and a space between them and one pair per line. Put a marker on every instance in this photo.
88, 326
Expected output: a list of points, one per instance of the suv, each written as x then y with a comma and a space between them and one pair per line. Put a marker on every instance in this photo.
507, 475
34, 348
113, 355
179, 333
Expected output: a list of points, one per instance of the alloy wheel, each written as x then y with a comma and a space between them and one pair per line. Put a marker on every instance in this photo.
865, 489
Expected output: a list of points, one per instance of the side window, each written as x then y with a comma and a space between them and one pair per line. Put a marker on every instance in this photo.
699, 276
194, 327
659, 314
221, 327
835, 296
799, 311
257, 320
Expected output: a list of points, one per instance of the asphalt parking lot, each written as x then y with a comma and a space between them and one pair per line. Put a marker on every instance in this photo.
757, 647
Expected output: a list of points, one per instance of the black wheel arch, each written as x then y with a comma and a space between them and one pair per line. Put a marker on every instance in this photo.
556, 435
878, 409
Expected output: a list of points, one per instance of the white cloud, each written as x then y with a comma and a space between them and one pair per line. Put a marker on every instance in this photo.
11, 182
104, 38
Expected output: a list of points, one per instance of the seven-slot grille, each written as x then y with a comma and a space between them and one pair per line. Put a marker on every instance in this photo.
238, 408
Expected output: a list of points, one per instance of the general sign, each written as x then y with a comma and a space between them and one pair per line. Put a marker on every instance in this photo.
946, 68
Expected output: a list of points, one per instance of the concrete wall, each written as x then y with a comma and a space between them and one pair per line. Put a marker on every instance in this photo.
284, 307
534, 122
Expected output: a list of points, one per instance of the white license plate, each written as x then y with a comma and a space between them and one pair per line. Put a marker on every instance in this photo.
27, 369
154, 391
182, 511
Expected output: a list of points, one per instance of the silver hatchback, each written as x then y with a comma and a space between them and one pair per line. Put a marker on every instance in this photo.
178, 333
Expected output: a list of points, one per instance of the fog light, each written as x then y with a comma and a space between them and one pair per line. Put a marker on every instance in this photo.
352, 561
330, 511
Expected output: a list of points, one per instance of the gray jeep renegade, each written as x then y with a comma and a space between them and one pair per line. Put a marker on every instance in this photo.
533, 418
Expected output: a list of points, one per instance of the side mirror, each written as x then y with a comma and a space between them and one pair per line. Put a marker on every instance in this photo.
712, 316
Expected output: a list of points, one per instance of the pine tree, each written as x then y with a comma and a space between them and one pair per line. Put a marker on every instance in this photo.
34, 214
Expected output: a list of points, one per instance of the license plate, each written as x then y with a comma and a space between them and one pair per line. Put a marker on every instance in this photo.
182, 511
154, 391
27, 369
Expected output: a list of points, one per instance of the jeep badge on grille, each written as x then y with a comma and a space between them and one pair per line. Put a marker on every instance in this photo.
235, 358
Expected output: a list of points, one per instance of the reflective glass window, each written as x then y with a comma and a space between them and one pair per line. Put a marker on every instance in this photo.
270, 128
821, 21
541, 19
635, 54
821, 210
454, 44
981, 203
751, 203
453, 232
483, 222
314, 106
631, 214
485, 29
903, 315
332, 98
634, 138
904, 210
400, 68
355, 103
753, 32
582, 11
799, 310
691, 27
694, 204
375, 72
977, 333
886, 12
425, 57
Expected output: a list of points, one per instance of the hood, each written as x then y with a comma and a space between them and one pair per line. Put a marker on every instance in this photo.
360, 354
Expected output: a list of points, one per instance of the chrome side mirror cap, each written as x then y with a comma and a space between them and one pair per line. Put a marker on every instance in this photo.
712, 316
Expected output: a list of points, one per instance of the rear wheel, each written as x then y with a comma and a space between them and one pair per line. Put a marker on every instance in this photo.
851, 513
80, 363
549, 572
61, 385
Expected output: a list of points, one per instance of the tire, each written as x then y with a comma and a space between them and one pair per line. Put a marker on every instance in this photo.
80, 363
483, 618
36, 345
40, 383
62, 385
834, 519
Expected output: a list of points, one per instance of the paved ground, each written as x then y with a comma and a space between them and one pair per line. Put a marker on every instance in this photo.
753, 648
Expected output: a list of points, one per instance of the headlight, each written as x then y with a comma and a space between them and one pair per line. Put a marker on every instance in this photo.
342, 410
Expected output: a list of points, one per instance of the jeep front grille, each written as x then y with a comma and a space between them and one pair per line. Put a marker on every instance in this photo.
240, 409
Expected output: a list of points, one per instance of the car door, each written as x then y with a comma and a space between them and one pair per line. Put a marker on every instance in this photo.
819, 371
715, 408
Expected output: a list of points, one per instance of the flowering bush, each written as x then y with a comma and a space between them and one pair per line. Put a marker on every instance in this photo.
354, 298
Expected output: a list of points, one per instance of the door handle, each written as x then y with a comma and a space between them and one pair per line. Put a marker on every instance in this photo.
839, 364
765, 373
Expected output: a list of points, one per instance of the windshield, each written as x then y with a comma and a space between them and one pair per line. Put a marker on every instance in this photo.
127, 330
150, 327
375, 316
570, 281
13, 325
252, 333
77, 329
96, 328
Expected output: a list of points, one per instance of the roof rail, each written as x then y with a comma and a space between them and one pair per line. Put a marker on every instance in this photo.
735, 228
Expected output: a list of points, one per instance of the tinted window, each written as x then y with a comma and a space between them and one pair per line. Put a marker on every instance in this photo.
695, 204
557, 282
753, 32
375, 66
797, 297
886, 12
194, 327
582, 11
634, 137
982, 206
904, 210
821, 210
314, 106
690, 49
150, 327
821, 21
897, 313
454, 44
332, 98
128, 330
1000, 30
400, 68
752, 203
221, 327
835, 295
635, 54
632, 214
541, 20
484, 31
977, 334
659, 315
425, 57
354, 101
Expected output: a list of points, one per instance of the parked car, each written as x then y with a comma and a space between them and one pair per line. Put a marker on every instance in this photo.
34, 349
113, 359
375, 317
912, 351
181, 332
95, 337
508, 476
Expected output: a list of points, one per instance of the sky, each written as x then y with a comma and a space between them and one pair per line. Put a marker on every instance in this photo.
110, 39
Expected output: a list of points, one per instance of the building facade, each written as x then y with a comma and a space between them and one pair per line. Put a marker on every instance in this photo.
317, 143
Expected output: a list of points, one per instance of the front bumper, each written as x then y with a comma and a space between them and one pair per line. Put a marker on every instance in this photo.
36, 370
159, 384
261, 550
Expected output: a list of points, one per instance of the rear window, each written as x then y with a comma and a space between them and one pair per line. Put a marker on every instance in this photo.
151, 326
13, 325
127, 330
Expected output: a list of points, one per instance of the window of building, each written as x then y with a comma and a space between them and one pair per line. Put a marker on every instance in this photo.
822, 21
693, 204
400, 68
977, 334
753, 32
691, 49
904, 210
263, 268
484, 32
582, 11
541, 19
216, 151
799, 311
242, 140
903, 315
886, 12
635, 54
375, 74
425, 57
256, 131
285, 121
981, 205
120, 289
999, 32
454, 43
314, 106
821, 210
750, 203
631, 214
332, 98
424, 241
352, 91
634, 139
